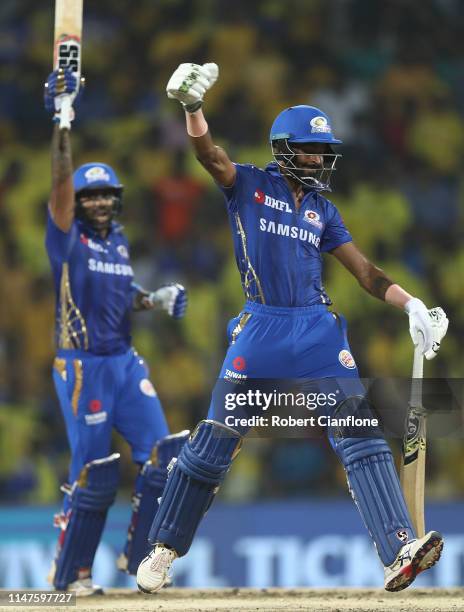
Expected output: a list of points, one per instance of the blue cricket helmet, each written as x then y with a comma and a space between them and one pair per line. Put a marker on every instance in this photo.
302, 123
96, 176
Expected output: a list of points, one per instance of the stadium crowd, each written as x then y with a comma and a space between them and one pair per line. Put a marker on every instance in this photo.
390, 76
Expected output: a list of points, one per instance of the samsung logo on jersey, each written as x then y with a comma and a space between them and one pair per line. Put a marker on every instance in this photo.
291, 231
106, 267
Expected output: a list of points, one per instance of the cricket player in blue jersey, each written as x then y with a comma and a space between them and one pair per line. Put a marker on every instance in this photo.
281, 224
101, 381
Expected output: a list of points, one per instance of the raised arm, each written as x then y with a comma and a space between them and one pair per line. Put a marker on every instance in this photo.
188, 84
59, 83
62, 195
427, 327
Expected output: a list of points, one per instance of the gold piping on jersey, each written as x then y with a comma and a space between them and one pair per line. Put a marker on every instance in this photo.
60, 366
73, 330
240, 325
78, 378
250, 272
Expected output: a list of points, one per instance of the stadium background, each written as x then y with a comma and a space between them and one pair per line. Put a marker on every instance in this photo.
390, 75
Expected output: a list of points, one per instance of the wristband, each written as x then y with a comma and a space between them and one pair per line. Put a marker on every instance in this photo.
192, 108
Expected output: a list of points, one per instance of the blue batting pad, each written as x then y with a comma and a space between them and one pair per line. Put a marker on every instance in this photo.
195, 478
91, 496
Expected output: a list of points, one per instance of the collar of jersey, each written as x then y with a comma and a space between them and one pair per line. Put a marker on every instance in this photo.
115, 228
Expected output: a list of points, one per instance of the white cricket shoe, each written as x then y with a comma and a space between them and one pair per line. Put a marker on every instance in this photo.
413, 558
153, 571
84, 588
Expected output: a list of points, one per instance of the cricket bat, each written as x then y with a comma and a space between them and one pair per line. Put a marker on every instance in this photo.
412, 472
67, 47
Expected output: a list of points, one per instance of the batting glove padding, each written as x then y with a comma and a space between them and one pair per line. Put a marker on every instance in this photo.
427, 327
171, 298
59, 83
190, 82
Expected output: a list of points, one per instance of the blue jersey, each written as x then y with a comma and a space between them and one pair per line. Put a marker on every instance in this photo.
93, 287
278, 249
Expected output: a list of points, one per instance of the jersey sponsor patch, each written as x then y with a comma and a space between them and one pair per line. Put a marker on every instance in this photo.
290, 231
108, 267
92, 244
313, 217
262, 198
96, 418
231, 375
147, 388
346, 359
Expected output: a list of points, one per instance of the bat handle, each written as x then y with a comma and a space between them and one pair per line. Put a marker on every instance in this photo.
418, 363
65, 113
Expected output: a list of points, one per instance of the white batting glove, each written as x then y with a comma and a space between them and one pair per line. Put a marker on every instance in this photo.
427, 327
190, 82
171, 298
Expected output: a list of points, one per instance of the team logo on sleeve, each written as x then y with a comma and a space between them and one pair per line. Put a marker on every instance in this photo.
319, 124
346, 359
147, 388
122, 250
313, 217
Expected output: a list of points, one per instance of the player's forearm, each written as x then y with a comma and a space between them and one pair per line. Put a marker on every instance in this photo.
62, 196
213, 158
374, 281
377, 283
62, 168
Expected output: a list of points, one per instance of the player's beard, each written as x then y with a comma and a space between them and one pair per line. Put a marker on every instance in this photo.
99, 217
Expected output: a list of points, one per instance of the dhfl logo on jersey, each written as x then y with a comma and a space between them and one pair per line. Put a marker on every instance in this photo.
313, 217
346, 359
92, 244
262, 198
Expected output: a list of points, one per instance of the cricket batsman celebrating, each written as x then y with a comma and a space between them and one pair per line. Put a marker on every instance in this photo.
101, 381
281, 223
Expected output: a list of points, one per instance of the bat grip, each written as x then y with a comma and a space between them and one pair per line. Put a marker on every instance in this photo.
415, 400
418, 363
65, 113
